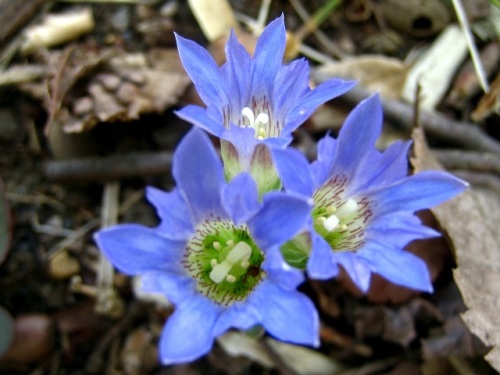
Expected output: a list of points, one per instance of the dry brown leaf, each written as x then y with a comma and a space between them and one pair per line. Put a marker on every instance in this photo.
471, 222
489, 103
110, 85
375, 73
216, 18
299, 359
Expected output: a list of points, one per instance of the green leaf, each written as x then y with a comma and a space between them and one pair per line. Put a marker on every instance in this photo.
6, 330
296, 251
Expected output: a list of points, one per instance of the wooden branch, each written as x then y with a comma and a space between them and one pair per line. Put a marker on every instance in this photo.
109, 168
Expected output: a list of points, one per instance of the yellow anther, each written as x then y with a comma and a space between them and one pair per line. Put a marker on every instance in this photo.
213, 262
230, 278
216, 245
230, 243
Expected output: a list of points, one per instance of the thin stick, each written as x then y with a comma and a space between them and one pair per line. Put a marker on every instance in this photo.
476, 59
107, 299
400, 114
322, 38
109, 168
468, 160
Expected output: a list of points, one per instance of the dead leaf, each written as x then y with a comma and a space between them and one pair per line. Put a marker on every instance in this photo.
375, 73
489, 103
420, 18
216, 18
435, 68
471, 223
108, 86
300, 359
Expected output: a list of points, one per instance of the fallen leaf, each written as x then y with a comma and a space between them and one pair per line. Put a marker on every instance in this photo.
489, 103
300, 359
375, 73
471, 224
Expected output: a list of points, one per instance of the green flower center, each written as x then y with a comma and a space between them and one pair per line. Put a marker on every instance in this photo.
339, 220
224, 261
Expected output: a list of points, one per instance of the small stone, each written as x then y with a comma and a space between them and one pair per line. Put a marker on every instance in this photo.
110, 81
135, 77
82, 106
127, 93
63, 266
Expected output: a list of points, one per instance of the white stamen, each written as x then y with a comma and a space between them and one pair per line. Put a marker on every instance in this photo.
262, 119
220, 271
347, 209
248, 113
331, 223
230, 243
244, 263
230, 278
343, 227
240, 252
213, 262
216, 245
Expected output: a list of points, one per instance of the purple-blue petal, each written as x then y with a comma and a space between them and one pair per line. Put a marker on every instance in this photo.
135, 249
268, 57
199, 118
188, 333
358, 135
237, 71
356, 268
279, 272
399, 229
423, 190
381, 169
398, 266
321, 168
271, 227
287, 315
199, 174
176, 287
240, 315
290, 85
293, 170
203, 71
313, 99
321, 263
173, 211
240, 198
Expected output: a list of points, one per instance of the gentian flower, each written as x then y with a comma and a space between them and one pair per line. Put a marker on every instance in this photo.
364, 204
253, 102
215, 255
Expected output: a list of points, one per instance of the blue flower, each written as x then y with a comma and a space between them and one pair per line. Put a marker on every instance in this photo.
215, 255
252, 101
364, 204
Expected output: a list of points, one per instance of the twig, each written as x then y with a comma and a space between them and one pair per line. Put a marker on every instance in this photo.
476, 59
400, 114
95, 361
16, 14
78, 233
109, 168
468, 160
322, 38
108, 302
